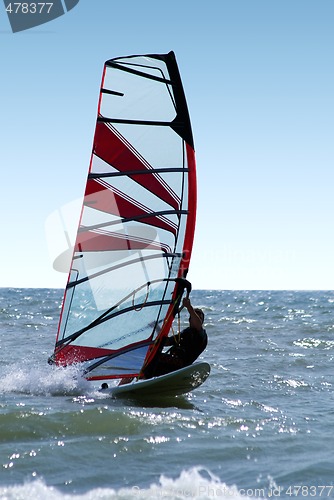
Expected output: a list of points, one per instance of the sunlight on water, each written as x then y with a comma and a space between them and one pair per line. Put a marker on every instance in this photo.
309, 343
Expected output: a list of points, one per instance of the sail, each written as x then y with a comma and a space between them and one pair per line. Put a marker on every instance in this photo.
136, 230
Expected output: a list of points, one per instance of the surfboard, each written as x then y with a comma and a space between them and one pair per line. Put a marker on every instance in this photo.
172, 384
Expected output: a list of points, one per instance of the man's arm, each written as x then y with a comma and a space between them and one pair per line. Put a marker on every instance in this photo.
195, 320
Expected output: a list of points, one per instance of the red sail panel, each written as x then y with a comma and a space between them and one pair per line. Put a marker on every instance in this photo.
101, 196
114, 150
89, 241
78, 354
191, 219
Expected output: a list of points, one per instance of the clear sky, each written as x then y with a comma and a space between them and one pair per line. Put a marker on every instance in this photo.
258, 76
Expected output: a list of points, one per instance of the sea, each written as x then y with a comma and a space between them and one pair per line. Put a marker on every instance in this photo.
261, 426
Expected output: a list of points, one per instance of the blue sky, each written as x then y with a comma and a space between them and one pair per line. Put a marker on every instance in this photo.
258, 77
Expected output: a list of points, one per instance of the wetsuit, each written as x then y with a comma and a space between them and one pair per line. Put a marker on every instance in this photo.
184, 351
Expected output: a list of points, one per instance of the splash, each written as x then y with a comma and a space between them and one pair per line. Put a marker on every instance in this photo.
195, 483
43, 380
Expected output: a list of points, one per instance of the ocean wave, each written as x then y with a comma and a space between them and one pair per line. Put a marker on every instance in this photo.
196, 483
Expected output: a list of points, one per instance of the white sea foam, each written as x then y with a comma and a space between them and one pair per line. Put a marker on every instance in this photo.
195, 483
41, 380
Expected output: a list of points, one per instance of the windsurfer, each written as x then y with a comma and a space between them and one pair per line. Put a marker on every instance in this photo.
185, 347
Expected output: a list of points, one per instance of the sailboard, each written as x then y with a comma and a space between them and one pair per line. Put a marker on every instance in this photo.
176, 383
135, 236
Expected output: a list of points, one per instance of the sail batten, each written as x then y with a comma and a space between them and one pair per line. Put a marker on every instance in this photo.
75, 335
104, 119
136, 230
138, 172
134, 218
119, 266
123, 67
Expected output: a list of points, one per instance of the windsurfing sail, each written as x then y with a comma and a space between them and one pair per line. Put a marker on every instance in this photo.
136, 229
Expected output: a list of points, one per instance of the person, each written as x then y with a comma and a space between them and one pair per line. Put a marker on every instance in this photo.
184, 347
